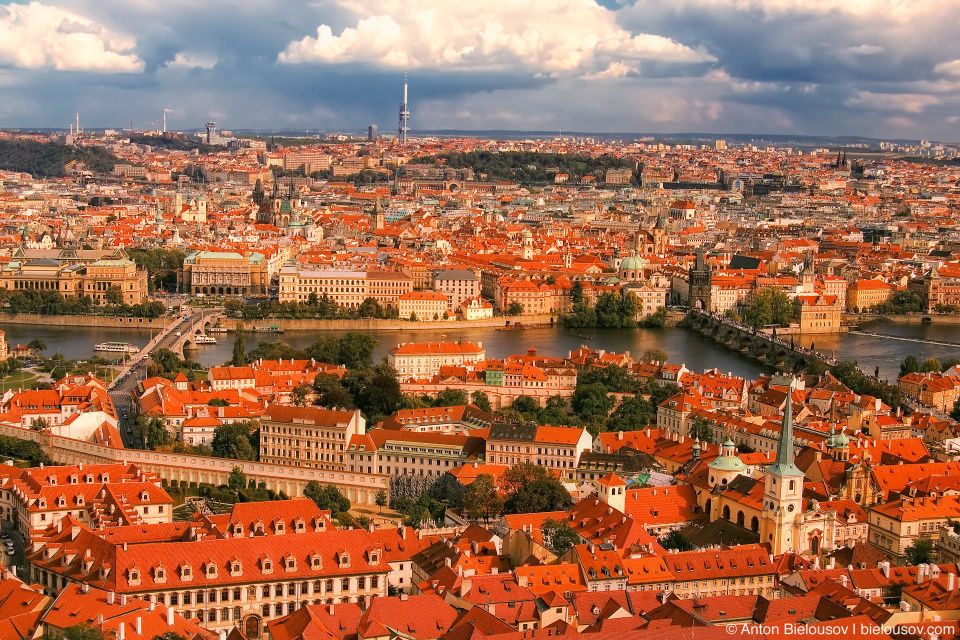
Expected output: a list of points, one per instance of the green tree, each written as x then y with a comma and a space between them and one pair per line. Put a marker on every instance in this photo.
920, 552
37, 345
237, 479
330, 392
591, 401
654, 355
701, 427
560, 535
576, 293
450, 398
910, 364
77, 632
218, 402
655, 320
675, 540
326, 349
326, 496
545, 493
356, 350
931, 365
300, 393
239, 347
514, 309
480, 498
114, 295
526, 407
238, 441
632, 414
482, 402
381, 500
39, 424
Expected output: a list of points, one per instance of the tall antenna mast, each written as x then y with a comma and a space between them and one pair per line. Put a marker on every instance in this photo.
404, 127
165, 120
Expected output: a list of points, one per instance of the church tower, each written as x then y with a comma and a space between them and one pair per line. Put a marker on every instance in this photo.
567, 258
376, 220
783, 491
807, 276
527, 245
700, 283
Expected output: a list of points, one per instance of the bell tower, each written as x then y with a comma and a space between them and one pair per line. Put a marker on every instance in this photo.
783, 490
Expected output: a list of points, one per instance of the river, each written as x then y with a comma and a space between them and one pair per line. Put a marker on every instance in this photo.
682, 345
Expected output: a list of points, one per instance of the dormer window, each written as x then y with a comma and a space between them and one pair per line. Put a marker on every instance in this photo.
87, 564
316, 562
160, 575
79, 501
266, 565
41, 504
299, 525
144, 496
343, 559
186, 573
133, 577
291, 564
211, 570
61, 502
278, 526
237, 531
235, 568
52, 480
104, 477
73, 479
88, 478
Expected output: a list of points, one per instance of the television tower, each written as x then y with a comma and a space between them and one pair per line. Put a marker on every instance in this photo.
404, 128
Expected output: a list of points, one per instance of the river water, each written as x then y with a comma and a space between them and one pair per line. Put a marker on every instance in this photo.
682, 345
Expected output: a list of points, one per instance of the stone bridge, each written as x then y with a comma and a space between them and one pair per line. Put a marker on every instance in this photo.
763, 346
188, 336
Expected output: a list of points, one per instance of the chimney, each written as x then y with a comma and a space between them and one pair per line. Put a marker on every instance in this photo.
620, 434
169, 617
153, 605
492, 609
951, 581
330, 607
139, 626
123, 600
920, 571
123, 631
111, 596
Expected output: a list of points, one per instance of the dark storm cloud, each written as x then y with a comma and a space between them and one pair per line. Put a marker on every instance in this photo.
819, 66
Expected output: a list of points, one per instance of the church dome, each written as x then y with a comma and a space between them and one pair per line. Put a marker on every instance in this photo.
631, 263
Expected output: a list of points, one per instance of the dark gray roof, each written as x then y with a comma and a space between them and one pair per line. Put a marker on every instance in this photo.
455, 274
513, 431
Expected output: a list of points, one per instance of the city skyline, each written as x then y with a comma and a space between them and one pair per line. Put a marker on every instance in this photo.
882, 69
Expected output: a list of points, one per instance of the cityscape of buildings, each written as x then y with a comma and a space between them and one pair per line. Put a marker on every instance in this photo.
594, 493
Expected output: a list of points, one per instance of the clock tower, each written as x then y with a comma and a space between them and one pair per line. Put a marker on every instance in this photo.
783, 491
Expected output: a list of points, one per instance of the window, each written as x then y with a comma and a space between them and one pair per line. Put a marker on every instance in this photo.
345, 585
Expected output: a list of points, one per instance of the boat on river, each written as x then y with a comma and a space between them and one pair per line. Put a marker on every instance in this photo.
117, 347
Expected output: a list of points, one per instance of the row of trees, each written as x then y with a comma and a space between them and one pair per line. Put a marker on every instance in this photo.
315, 307
52, 303
911, 364
161, 265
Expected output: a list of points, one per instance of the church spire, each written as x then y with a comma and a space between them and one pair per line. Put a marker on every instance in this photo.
784, 465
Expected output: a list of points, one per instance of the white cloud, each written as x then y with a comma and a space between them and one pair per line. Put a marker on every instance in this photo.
548, 37
897, 102
864, 49
36, 36
952, 67
193, 60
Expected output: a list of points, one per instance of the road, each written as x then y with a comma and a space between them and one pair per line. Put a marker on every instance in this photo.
19, 557
123, 388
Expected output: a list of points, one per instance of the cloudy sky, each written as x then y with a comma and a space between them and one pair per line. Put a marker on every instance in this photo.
882, 68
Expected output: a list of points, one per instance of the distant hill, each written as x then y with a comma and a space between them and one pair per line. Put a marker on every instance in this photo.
47, 159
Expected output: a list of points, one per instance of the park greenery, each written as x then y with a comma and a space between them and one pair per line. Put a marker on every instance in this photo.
161, 265
49, 159
770, 306
522, 488
904, 301
528, 167
612, 311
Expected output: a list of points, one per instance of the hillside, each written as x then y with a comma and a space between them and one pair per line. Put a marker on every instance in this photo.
525, 167
47, 159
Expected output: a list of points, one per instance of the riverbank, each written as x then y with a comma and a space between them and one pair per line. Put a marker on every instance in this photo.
379, 324
915, 318
86, 321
